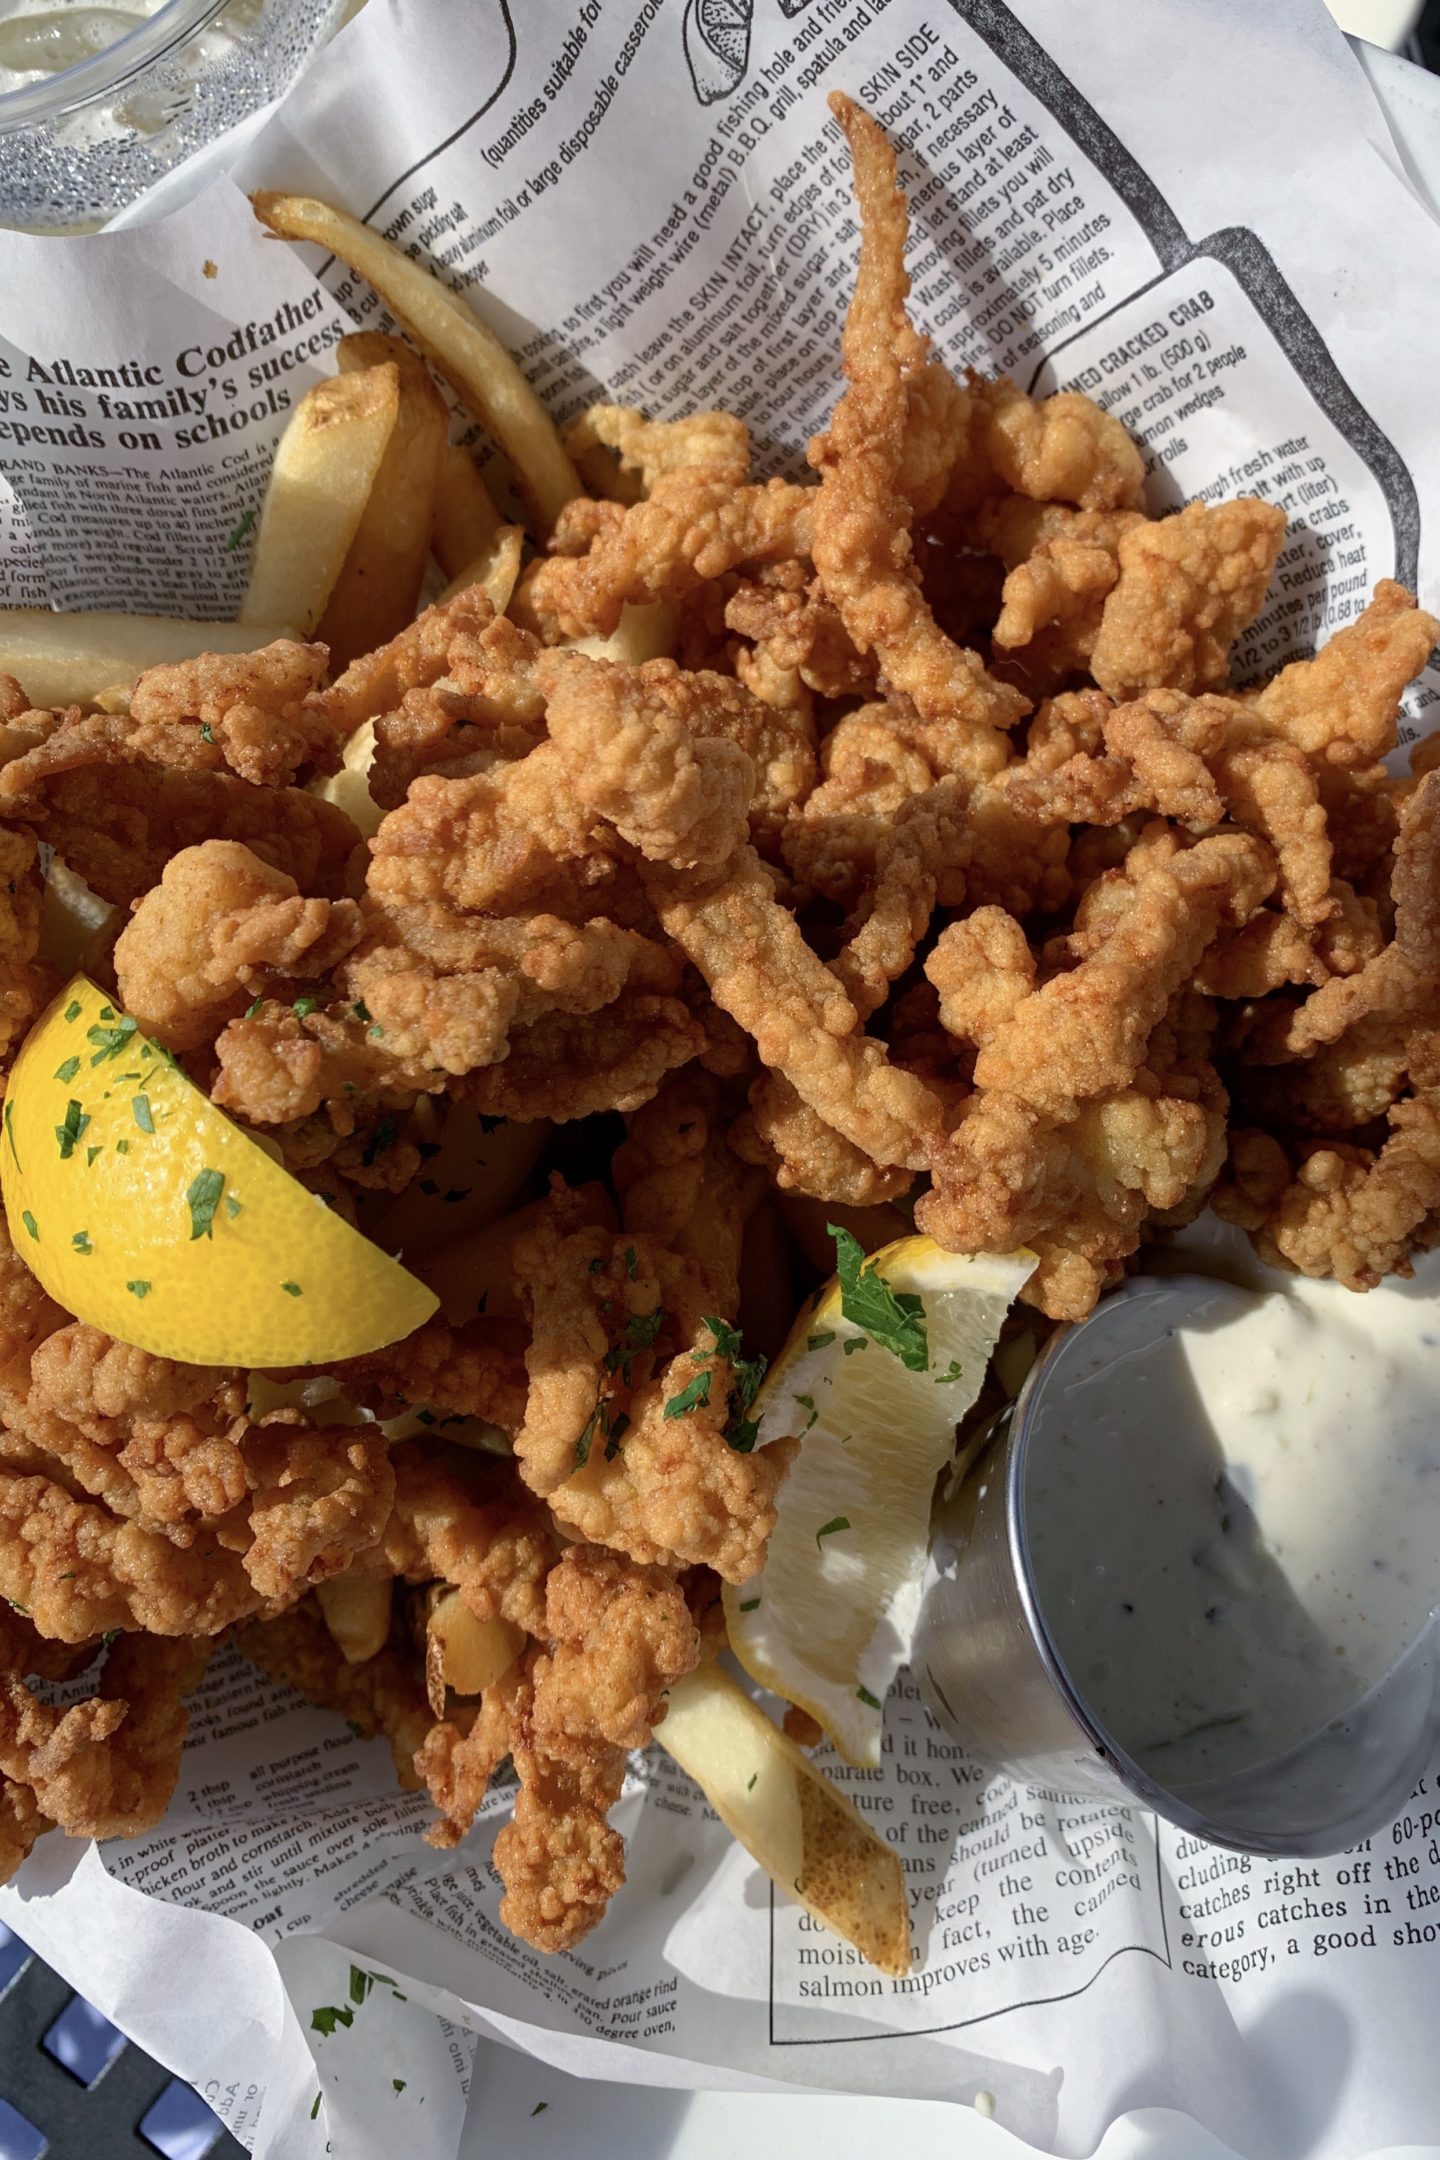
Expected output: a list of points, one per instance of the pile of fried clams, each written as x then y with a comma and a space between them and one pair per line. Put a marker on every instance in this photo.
938, 867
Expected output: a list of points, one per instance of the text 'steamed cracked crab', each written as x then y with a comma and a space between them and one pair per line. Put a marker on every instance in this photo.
445, 1055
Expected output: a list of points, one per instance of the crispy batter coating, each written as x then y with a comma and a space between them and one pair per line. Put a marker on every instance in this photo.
1351, 1212
377, 682
1188, 585
484, 706
219, 926
385, 1695
1341, 708
645, 451
1065, 449
862, 545
22, 983
694, 526
98, 791
255, 708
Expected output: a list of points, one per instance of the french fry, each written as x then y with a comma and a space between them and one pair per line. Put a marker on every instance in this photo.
77, 927
63, 659
320, 482
378, 588
469, 356
806, 1835
473, 1275
357, 1613
464, 1653
466, 520
496, 568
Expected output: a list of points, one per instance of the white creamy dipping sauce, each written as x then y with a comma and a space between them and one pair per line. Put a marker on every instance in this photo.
1233, 1512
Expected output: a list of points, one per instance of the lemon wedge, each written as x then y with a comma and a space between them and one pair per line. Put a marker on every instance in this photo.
144, 1210
874, 1377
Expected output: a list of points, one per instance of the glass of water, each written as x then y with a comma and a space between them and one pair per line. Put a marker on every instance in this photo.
101, 99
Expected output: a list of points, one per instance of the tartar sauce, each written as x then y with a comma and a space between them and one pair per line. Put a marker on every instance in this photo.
1233, 1510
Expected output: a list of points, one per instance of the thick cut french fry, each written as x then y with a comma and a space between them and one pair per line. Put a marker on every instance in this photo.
349, 789
474, 1179
806, 1835
378, 589
466, 520
357, 1613
321, 480
464, 1653
70, 659
475, 1273
496, 569
469, 356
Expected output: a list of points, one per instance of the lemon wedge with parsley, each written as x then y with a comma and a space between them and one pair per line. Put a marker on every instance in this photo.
144, 1210
873, 1379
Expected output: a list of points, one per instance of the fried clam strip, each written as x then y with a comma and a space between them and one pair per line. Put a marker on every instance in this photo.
474, 1371
170, 1448
105, 1767
1088, 1113
617, 1637
256, 710
445, 636
80, 1572
1341, 708
99, 791
1188, 585
1198, 761
485, 707
862, 545
456, 1519
635, 1424
1351, 1212
695, 526
1402, 982
221, 925
624, 455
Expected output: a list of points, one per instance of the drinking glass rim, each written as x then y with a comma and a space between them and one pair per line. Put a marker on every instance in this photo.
105, 71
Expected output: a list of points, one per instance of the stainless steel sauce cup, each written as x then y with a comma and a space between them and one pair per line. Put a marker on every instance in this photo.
991, 1673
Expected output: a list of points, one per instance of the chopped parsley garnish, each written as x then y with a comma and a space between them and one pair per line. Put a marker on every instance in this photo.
110, 1041
304, 1006
820, 1342
399, 2084
893, 1318
292, 1289
598, 1421
954, 1373
81, 1242
202, 1199
751, 1786
325, 2019
856, 1342
68, 1070
460, 1192
68, 1133
253, 1008
617, 1433
315, 2108
91, 1153
207, 733
742, 1432
232, 1205
632, 1265
692, 1397
30, 1224
72, 1010
240, 531
749, 1604
122, 1147
641, 1330
360, 1009
10, 1131
361, 1983
836, 1522
140, 1106
489, 1124
138, 1289
807, 1402
742, 1435
383, 1137
870, 1701
539, 2107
